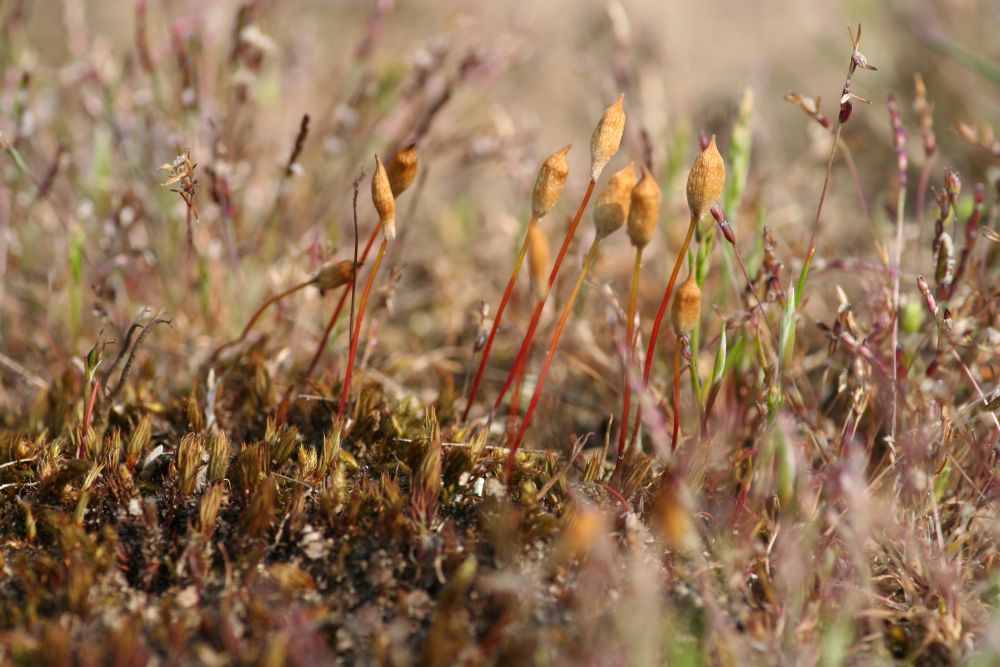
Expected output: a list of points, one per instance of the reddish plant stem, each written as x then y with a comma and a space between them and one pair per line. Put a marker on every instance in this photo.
515, 402
654, 334
588, 261
287, 399
274, 299
629, 359
88, 416
496, 320
257, 314
522, 357
357, 330
522, 353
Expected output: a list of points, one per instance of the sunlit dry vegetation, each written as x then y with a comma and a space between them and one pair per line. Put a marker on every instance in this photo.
475, 333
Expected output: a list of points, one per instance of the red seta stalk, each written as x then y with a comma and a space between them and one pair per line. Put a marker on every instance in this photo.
522, 353
654, 334
357, 329
496, 322
588, 261
88, 416
629, 359
286, 400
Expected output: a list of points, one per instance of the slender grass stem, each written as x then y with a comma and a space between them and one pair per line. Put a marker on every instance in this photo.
629, 359
522, 353
897, 261
496, 321
654, 334
349, 372
814, 235
588, 262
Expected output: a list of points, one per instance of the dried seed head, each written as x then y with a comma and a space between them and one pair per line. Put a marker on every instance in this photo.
538, 260
706, 180
402, 169
383, 200
607, 137
549, 183
334, 274
687, 307
612, 207
644, 211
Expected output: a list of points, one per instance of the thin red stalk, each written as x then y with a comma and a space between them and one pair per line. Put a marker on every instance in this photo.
357, 330
629, 359
654, 334
345, 292
549, 355
522, 356
88, 416
626, 505
340, 307
515, 402
522, 353
274, 299
496, 321
257, 314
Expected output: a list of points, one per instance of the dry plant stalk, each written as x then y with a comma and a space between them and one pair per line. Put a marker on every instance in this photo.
545, 195
402, 171
539, 256
610, 214
705, 185
604, 143
899, 144
847, 98
643, 215
385, 205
